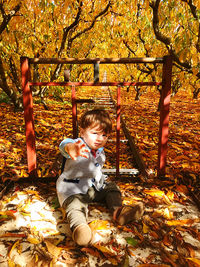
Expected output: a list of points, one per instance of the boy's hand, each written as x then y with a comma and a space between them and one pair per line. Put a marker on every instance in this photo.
77, 149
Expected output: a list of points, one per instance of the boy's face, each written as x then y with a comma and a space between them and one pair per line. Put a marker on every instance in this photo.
94, 137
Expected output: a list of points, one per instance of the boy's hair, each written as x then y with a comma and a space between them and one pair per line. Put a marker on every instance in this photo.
96, 117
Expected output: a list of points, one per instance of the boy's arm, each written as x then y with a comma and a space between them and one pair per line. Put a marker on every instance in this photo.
71, 148
63, 144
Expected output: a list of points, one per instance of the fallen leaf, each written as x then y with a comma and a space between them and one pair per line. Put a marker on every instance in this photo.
195, 260
91, 251
55, 251
104, 249
182, 222
8, 214
131, 241
145, 228
33, 240
99, 225
154, 192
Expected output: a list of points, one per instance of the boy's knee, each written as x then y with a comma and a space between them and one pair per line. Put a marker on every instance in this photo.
112, 187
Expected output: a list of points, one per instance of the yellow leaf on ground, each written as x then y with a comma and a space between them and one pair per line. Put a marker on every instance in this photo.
99, 225
197, 261
154, 192
170, 195
55, 251
153, 265
13, 247
182, 222
33, 240
145, 228
113, 261
11, 263
164, 213
104, 249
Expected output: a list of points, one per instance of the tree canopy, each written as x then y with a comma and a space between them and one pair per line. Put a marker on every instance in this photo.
100, 28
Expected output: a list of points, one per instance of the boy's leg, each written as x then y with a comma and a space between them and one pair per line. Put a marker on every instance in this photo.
76, 212
111, 195
113, 200
121, 214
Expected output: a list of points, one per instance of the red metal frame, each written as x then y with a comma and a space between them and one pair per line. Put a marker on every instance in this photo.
118, 129
74, 112
29, 120
164, 113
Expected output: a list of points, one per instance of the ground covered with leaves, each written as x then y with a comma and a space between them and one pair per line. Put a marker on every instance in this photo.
33, 230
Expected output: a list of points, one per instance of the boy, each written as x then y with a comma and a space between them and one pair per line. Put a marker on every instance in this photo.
82, 180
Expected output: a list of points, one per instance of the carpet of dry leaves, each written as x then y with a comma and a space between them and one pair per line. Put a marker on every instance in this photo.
33, 230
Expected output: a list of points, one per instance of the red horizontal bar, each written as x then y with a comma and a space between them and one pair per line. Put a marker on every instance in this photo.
95, 60
95, 84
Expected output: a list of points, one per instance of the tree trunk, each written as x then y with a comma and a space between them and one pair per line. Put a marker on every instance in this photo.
11, 93
137, 97
196, 93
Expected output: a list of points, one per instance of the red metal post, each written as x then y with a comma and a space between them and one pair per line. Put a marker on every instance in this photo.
74, 112
118, 129
164, 115
28, 116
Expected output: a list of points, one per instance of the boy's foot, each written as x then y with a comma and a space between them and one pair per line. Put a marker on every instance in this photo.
127, 214
82, 235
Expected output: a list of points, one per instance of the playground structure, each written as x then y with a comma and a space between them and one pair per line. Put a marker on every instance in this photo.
164, 103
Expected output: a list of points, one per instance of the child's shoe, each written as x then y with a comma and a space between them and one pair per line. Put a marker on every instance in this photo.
82, 235
127, 214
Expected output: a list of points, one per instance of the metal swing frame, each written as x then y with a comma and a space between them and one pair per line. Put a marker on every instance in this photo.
167, 62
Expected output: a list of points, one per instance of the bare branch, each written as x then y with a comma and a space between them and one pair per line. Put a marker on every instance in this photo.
66, 30
149, 70
193, 9
13, 74
103, 12
8, 17
4, 85
165, 39
71, 28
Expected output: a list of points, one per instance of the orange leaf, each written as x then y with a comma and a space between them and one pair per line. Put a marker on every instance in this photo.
154, 234
196, 261
15, 235
182, 188
91, 251
130, 251
166, 240
8, 213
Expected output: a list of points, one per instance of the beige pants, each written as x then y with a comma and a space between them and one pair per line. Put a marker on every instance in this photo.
76, 206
